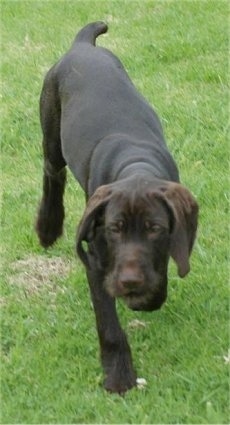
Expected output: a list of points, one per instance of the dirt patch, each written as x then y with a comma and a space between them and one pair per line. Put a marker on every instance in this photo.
35, 273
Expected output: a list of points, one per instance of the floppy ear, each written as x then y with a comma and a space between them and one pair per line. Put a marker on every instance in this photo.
185, 210
86, 228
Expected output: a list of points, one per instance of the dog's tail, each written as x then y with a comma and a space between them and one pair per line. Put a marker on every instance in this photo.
90, 32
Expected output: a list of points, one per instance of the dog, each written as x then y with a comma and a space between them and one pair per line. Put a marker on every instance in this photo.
137, 212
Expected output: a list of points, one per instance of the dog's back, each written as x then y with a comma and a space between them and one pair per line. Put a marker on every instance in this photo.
97, 100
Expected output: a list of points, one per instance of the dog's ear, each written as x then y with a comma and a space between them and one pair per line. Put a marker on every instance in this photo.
185, 211
92, 217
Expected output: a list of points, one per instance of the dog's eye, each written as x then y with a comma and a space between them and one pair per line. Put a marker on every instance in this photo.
117, 226
152, 227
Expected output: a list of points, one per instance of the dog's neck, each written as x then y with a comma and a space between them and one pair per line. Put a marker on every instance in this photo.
139, 168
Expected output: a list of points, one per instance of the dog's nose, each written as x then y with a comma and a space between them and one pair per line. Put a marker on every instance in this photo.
131, 281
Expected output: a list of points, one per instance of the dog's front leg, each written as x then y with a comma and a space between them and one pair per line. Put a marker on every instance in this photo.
115, 351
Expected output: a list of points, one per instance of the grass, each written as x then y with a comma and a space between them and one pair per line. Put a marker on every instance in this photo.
176, 54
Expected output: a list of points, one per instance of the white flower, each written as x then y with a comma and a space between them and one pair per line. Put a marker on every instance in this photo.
141, 383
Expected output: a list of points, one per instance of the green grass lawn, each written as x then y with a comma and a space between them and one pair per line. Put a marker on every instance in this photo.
176, 54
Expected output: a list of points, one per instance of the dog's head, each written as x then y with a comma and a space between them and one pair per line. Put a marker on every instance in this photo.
132, 231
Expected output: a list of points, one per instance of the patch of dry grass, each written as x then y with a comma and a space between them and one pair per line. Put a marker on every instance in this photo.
36, 272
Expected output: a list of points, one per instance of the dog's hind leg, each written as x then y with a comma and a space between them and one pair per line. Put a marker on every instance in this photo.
50, 218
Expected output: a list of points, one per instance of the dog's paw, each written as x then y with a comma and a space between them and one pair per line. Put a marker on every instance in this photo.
47, 237
120, 382
49, 226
